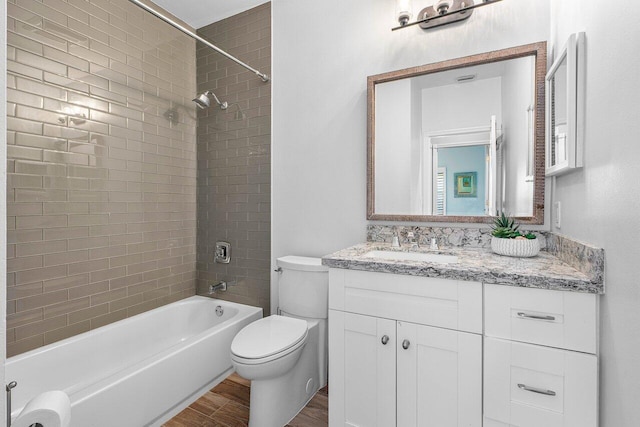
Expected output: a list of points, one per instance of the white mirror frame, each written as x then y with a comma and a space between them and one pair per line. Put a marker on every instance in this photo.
574, 53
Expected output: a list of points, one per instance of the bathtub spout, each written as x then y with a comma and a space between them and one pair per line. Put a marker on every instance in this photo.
220, 286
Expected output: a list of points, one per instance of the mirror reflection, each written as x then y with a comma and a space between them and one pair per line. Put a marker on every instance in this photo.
457, 142
558, 135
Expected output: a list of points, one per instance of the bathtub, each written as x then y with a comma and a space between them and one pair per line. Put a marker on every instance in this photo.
137, 372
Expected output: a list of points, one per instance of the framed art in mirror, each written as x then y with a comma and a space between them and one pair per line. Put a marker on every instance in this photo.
460, 140
565, 85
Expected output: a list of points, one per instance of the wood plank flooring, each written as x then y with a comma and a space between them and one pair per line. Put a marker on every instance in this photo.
227, 405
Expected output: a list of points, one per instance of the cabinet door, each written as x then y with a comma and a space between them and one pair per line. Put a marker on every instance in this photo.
531, 386
362, 370
439, 377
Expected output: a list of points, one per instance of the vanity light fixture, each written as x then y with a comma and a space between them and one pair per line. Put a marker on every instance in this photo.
442, 12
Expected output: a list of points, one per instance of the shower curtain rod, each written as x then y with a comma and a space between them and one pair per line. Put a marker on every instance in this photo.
264, 77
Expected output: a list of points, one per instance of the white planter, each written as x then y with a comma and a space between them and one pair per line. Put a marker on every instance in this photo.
515, 247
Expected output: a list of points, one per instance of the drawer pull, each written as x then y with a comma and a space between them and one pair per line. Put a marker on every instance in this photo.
385, 339
535, 316
406, 344
536, 390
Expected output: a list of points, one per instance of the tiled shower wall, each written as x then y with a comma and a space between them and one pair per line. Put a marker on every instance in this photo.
234, 184
102, 167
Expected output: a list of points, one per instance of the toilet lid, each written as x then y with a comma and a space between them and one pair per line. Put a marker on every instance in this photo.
268, 336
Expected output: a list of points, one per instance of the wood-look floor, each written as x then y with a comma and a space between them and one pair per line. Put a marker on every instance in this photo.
227, 405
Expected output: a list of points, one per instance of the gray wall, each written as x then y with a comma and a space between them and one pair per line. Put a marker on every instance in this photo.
101, 194
234, 158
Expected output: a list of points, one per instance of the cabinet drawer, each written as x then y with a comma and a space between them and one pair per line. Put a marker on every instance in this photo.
529, 385
451, 304
554, 318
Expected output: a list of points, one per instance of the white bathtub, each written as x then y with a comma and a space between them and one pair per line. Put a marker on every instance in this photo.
137, 372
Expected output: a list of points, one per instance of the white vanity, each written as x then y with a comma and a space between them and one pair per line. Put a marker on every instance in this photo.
421, 344
460, 337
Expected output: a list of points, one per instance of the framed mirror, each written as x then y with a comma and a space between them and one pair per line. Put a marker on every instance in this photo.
460, 140
565, 83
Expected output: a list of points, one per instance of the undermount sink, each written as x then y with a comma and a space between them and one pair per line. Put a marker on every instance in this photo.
412, 256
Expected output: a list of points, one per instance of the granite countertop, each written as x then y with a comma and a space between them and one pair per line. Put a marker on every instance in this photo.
543, 271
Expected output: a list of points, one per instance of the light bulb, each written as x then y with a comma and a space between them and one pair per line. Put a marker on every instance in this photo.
403, 10
443, 6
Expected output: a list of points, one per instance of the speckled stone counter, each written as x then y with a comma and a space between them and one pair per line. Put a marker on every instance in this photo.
543, 271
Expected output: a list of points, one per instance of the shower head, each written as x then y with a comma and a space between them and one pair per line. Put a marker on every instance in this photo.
203, 101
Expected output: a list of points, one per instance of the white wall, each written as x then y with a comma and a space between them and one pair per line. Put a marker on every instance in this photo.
462, 105
598, 206
323, 51
394, 146
517, 96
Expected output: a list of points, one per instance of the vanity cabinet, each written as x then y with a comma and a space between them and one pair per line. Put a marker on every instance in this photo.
439, 377
531, 385
540, 363
404, 350
362, 370
415, 351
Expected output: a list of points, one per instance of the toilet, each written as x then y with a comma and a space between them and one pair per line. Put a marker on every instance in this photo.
285, 355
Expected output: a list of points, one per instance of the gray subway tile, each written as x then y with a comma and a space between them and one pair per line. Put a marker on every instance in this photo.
81, 188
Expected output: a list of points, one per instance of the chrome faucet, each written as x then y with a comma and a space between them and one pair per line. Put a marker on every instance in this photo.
413, 240
220, 286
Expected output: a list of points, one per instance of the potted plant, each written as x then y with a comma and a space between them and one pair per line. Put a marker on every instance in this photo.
507, 240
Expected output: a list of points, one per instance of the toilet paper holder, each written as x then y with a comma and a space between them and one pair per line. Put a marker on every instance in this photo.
10, 387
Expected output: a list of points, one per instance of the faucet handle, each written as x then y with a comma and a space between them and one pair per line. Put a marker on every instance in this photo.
413, 239
434, 244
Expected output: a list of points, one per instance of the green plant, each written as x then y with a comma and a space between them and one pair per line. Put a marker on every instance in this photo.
505, 227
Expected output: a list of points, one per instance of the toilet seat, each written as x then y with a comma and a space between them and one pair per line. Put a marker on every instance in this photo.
268, 339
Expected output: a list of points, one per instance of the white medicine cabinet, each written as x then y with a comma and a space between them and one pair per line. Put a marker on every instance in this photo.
565, 83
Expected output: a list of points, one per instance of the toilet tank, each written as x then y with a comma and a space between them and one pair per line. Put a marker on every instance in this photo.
303, 287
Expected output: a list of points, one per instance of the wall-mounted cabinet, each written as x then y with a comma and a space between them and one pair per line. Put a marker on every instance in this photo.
565, 87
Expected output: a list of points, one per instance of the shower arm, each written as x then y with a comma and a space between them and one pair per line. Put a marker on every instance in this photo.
265, 78
223, 105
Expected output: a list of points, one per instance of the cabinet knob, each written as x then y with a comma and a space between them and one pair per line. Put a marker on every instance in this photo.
405, 344
385, 339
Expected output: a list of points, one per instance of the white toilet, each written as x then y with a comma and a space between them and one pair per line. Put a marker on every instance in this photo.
285, 355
